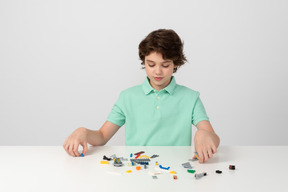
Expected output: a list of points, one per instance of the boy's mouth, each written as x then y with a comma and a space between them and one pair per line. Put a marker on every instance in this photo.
158, 78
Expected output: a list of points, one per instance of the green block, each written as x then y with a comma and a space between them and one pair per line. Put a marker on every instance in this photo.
190, 171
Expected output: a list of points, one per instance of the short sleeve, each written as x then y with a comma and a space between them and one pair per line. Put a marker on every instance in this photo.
117, 115
198, 113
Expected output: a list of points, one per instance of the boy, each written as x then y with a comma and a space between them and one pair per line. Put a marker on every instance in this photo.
159, 112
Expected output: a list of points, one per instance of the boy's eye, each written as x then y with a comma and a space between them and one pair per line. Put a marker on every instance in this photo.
151, 65
165, 66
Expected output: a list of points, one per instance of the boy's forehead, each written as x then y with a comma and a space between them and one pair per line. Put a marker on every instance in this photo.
155, 56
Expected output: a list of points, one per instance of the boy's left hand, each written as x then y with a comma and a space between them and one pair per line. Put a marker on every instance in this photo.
205, 141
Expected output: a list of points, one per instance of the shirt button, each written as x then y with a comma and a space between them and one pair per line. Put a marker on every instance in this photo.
158, 97
157, 107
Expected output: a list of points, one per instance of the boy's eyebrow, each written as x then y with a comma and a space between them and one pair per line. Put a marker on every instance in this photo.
166, 61
150, 61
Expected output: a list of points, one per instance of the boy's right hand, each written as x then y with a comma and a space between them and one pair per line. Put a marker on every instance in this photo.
71, 144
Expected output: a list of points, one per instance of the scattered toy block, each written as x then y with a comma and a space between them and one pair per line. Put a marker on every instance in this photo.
191, 171
200, 175
232, 167
218, 171
104, 162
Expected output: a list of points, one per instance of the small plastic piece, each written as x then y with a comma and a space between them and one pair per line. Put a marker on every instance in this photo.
191, 171
172, 172
106, 158
118, 162
104, 162
138, 168
175, 177
113, 156
139, 153
123, 159
232, 167
187, 165
137, 156
144, 156
153, 156
129, 171
139, 161
196, 155
199, 175
131, 155
218, 171
166, 168
155, 173
82, 155
156, 163
154, 177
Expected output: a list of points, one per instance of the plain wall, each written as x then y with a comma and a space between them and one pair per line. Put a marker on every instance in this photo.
64, 63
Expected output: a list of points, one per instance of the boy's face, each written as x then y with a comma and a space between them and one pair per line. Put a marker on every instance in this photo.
158, 70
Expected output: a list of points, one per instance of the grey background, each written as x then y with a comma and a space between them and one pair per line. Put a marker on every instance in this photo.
64, 63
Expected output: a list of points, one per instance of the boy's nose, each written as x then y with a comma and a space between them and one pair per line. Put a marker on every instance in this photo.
158, 71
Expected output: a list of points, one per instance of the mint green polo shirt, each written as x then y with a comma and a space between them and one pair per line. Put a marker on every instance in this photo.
158, 118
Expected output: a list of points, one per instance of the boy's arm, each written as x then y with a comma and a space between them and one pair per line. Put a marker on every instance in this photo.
206, 141
82, 136
104, 134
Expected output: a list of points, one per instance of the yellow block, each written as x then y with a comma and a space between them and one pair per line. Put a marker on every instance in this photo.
143, 156
104, 162
172, 172
129, 171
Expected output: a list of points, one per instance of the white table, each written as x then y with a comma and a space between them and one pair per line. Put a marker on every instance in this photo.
50, 168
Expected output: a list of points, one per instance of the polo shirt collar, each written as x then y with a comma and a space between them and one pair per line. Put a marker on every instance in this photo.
171, 87
147, 88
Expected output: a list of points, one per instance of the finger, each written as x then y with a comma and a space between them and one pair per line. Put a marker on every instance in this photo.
75, 149
85, 148
201, 156
214, 149
70, 150
65, 146
205, 153
210, 154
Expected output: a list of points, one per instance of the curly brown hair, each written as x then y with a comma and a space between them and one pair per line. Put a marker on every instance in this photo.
164, 41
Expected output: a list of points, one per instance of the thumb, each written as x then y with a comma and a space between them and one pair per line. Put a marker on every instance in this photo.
85, 148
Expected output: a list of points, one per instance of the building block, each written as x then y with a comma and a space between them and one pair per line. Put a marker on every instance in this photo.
218, 171
199, 175
232, 167
187, 165
104, 162
139, 153
190, 171
166, 168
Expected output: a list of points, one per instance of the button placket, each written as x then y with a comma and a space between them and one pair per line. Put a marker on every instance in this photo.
158, 100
